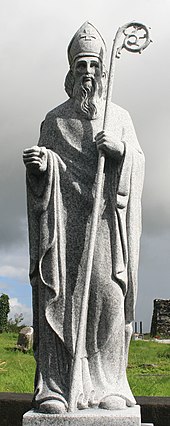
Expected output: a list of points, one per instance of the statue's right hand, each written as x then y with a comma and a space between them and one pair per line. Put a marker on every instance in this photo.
35, 159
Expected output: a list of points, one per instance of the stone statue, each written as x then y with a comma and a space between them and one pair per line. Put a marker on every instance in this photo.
61, 181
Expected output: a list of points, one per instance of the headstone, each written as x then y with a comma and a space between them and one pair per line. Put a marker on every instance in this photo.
160, 325
25, 339
135, 336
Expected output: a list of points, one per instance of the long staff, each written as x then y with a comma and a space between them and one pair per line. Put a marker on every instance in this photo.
132, 33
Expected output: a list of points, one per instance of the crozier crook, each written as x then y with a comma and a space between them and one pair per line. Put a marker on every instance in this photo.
133, 37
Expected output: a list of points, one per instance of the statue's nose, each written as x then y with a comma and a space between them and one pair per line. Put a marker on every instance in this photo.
88, 68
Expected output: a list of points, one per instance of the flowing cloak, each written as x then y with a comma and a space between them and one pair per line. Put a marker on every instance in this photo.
60, 203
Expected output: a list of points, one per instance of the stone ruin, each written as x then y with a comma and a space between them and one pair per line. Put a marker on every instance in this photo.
161, 318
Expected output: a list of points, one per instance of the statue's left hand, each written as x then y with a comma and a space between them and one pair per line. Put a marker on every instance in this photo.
109, 145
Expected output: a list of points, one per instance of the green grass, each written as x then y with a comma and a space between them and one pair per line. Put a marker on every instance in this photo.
148, 368
16, 368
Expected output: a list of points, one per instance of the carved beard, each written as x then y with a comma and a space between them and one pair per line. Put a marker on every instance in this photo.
86, 95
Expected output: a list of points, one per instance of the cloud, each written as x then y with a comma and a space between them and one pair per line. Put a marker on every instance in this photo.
3, 286
153, 274
17, 308
33, 67
10, 271
35, 60
14, 262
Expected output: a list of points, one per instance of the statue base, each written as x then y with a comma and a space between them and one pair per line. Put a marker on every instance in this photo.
88, 417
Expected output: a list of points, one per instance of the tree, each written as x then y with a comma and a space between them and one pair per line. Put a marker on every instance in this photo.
4, 311
13, 325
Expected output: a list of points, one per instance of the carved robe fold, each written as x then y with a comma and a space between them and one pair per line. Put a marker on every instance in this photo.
60, 203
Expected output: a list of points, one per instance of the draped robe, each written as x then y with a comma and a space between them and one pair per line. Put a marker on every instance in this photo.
60, 202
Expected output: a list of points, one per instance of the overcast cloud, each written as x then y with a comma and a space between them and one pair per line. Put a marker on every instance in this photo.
33, 43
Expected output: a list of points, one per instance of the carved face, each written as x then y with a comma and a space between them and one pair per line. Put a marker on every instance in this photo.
88, 85
87, 68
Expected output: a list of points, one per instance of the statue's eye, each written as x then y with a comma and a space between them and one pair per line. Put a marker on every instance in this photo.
95, 64
80, 65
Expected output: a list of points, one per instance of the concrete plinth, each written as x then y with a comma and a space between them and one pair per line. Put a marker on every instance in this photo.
92, 417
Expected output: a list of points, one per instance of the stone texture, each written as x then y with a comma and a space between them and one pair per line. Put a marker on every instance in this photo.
61, 184
161, 318
91, 417
25, 339
13, 406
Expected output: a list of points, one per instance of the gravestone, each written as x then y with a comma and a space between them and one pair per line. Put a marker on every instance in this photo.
160, 325
25, 339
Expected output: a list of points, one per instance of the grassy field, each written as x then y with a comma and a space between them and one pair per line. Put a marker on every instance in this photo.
16, 368
148, 369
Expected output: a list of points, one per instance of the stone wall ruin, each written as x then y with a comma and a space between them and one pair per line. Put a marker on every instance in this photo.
161, 318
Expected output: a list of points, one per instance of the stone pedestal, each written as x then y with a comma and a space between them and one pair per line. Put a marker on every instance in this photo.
92, 417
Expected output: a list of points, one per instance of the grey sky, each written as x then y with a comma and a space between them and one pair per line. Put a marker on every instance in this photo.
33, 43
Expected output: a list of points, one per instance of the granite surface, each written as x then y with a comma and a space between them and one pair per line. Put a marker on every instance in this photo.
154, 410
61, 185
91, 417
